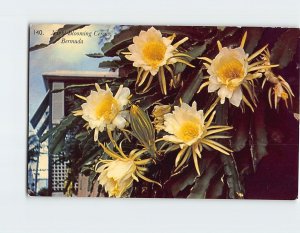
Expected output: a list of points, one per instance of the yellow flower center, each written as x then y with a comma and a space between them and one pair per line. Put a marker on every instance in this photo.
188, 131
230, 69
154, 53
284, 95
116, 190
280, 92
108, 108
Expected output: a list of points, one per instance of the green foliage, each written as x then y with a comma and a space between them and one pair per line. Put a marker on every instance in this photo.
58, 134
92, 178
231, 173
195, 52
150, 100
285, 47
189, 88
110, 64
241, 132
95, 55
33, 148
202, 183
258, 135
253, 37
181, 180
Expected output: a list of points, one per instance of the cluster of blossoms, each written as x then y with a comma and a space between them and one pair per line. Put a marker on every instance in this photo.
184, 128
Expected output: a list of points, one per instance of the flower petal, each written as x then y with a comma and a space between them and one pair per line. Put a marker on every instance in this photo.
119, 122
223, 93
236, 97
213, 84
122, 96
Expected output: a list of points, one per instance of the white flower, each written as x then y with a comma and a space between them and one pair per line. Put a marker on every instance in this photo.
185, 124
152, 54
233, 69
103, 110
190, 132
117, 174
227, 72
150, 50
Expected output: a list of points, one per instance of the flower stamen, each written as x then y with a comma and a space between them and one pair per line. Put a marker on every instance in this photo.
154, 53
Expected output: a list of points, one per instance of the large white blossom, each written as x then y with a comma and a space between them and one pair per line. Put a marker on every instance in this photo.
103, 110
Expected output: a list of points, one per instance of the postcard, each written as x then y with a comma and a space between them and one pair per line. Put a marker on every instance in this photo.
152, 111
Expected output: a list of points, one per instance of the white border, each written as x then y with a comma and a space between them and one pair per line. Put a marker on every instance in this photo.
21, 214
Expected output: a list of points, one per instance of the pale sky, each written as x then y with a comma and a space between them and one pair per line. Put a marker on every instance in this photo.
62, 56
